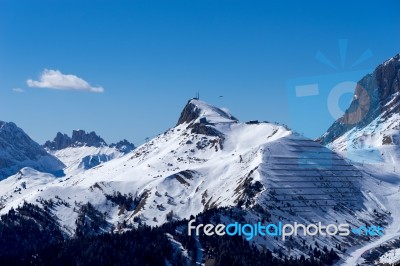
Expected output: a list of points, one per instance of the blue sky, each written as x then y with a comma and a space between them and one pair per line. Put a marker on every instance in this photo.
150, 57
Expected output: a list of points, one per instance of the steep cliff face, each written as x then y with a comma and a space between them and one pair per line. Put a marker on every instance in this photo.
376, 96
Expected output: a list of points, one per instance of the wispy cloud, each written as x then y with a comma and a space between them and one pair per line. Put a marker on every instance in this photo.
19, 90
54, 79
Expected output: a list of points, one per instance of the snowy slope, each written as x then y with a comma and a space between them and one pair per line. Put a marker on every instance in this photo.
391, 257
18, 150
79, 159
211, 160
377, 143
26, 181
84, 150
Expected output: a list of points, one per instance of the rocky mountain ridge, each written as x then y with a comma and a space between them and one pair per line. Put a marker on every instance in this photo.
376, 96
81, 138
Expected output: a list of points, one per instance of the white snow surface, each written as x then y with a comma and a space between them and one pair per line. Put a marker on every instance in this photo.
72, 157
376, 143
212, 113
390, 257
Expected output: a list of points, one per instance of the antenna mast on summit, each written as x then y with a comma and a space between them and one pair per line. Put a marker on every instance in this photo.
197, 95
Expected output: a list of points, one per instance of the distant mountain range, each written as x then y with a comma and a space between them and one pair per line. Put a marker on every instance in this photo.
79, 139
82, 139
81, 151
84, 150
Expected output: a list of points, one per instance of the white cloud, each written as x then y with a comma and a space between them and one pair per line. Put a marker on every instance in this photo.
54, 79
19, 90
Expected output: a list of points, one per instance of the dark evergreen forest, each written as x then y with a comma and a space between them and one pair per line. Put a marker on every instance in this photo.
30, 235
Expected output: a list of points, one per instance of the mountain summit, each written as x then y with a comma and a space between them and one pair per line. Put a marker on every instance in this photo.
18, 150
196, 109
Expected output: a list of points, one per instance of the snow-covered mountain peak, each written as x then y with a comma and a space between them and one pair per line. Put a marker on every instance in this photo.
199, 111
9, 128
18, 150
85, 150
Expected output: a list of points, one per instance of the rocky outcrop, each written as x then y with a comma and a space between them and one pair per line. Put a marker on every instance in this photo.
79, 139
189, 113
375, 95
61, 141
204, 129
82, 139
123, 146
